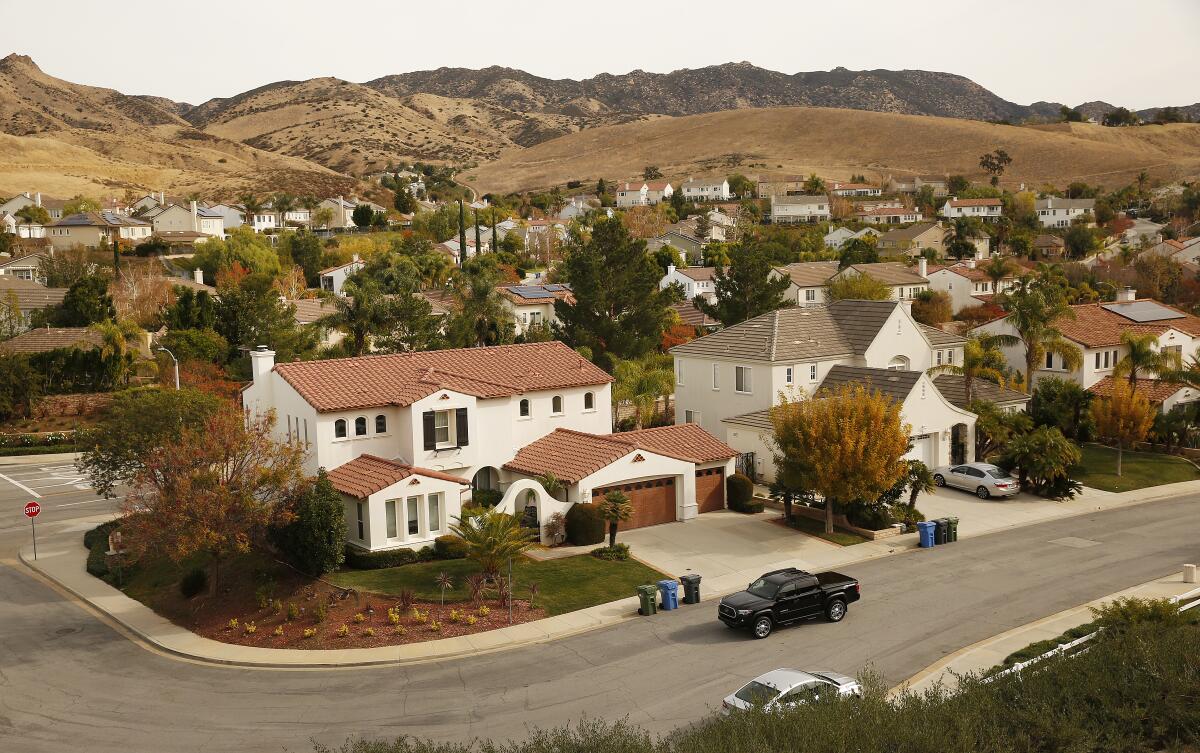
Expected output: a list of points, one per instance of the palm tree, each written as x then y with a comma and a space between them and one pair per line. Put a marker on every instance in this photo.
1032, 311
641, 382
1144, 358
363, 313
1142, 179
920, 479
283, 203
959, 237
492, 538
116, 337
982, 359
996, 270
615, 508
252, 205
483, 319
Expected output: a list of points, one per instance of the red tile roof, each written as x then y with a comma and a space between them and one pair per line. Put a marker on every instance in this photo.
574, 455
402, 379
1095, 326
367, 474
1155, 390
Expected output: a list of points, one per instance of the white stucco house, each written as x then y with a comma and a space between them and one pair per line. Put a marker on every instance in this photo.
906, 282
728, 381
787, 210
1162, 395
889, 215
642, 194
854, 189
837, 237
1096, 331
967, 284
1053, 211
533, 305
438, 422
713, 189
334, 278
232, 216
695, 281
984, 209
808, 280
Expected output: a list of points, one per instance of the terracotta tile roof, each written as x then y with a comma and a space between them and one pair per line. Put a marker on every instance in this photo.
42, 340
886, 211
403, 378
1095, 326
519, 293
975, 274
367, 474
975, 202
1155, 390
690, 315
30, 295
574, 455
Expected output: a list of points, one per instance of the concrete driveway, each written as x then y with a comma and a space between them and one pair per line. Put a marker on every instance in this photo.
976, 516
723, 542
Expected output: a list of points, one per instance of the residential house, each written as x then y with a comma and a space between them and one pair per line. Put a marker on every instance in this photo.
194, 218
954, 388
1162, 395
28, 296
906, 282
782, 185
889, 215
913, 240
232, 215
1053, 211
89, 229
27, 267
838, 237
1184, 250
728, 381
1096, 329
854, 189
45, 339
706, 190
693, 317
683, 237
533, 305
645, 193
984, 209
343, 212
695, 281
20, 228
786, 210
334, 278
575, 209
263, 219
310, 311
967, 284
808, 280
914, 184
407, 435
148, 202
53, 207
1048, 245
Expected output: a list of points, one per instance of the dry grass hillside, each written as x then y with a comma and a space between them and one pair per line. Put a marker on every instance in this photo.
838, 143
63, 138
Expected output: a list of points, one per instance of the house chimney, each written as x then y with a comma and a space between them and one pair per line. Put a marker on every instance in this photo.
198, 276
353, 257
670, 269
922, 266
971, 263
195, 218
1126, 294
162, 197
37, 199
262, 360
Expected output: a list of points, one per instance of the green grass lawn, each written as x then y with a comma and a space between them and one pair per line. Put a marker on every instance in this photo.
817, 528
1138, 469
564, 585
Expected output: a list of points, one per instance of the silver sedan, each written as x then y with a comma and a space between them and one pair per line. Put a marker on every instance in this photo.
781, 688
984, 479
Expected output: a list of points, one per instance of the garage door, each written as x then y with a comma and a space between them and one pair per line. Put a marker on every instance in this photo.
710, 489
922, 449
653, 501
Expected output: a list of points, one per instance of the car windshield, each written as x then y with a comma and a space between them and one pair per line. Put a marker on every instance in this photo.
755, 693
763, 588
997, 473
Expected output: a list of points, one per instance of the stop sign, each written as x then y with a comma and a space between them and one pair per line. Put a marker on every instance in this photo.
32, 509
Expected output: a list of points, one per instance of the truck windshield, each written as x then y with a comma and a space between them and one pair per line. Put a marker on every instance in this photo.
755, 693
763, 588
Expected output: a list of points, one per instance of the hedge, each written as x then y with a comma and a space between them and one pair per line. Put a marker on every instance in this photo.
360, 559
99, 533
42, 450
584, 525
449, 547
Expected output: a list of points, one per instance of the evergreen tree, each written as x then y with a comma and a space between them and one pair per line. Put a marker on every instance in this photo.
315, 539
746, 289
462, 231
87, 302
478, 238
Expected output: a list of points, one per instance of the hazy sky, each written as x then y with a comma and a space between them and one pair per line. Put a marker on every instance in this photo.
1139, 54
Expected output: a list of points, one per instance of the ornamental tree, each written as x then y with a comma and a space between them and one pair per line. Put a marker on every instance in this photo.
1123, 417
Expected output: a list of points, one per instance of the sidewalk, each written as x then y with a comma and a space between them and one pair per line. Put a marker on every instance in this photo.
53, 457
992, 651
62, 558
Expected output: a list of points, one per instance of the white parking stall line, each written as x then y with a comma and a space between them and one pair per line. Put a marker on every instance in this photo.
88, 501
19, 485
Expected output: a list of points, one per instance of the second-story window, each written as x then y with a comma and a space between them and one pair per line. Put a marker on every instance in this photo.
381, 424
742, 380
360, 426
589, 401
787, 375
556, 405
339, 428
812, 372
523, 408
441, 427
716, 377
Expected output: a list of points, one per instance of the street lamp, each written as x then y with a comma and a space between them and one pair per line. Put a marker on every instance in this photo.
176, 360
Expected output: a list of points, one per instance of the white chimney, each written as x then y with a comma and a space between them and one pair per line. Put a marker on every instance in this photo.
195, 218
971, 263
353, 257
922, 266
670, 269
162, 197
262, 361
1126, 294
37, 199
198, 275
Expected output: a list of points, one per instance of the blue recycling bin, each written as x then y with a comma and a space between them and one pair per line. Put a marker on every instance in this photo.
669, 590
925, 531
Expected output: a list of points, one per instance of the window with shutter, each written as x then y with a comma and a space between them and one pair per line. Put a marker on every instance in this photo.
430, 436
460, 426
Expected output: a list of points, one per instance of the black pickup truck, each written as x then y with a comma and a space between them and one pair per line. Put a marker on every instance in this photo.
789, 595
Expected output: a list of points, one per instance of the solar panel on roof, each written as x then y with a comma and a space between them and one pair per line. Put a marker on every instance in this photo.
1143, 311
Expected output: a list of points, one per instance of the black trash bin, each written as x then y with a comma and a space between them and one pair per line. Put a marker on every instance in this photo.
943, 526
691, 588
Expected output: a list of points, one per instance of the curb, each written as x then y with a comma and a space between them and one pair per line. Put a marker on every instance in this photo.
49, 457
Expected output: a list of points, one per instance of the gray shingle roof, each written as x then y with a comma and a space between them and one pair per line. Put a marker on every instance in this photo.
759, 419
908, 233
810, 274
890, 273
940, 337
954, 389
893, 383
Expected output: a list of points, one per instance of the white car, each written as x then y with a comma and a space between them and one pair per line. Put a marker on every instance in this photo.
780, 688
984, 479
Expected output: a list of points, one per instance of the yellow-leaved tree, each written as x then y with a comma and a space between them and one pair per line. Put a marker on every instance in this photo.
845, 444
1124, 417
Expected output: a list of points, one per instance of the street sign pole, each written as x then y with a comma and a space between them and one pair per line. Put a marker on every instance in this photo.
33, 525
31, 511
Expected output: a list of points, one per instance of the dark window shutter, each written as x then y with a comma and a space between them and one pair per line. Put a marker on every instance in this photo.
460, 426
430, 438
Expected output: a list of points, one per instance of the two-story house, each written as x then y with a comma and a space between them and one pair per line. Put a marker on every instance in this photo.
914, 184
838, 237
889, 215
967, 284
984, 209
808, 280
643, 194
906, 282
695, 281
787, 210
728, 381
232, 215
1096, 329
89, 229
334, 278
854, 189
193, 218
1053, 211
405, 436
914, 240
533, 305
713, 189
343, 211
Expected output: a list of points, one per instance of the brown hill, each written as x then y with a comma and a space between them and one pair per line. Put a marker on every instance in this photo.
839, 143
64, 138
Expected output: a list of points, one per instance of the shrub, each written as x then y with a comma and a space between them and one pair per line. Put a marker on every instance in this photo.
486, 498
293, 611
556, 527
1124, 613
870, 517
250, 628
97, 560
400, 630
233, 623
321, 611
100, 533
435, 627
739, 491
426, 554
193, 583
369, 632
315, 540
309, 632
484, 611
449, 547
471, 619
364, 560
278, 631
584, 525
360, 617
343, 631
615, 553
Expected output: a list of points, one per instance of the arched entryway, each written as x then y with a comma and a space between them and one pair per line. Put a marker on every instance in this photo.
486, 477
960, 436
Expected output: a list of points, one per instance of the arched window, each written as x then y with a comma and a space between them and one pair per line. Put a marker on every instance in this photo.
898, 363
524, 408
589, 401
556, 405
381, 424
360, 426
339, 428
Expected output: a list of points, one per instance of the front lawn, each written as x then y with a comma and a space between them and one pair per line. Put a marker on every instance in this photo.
564, 585
814, 527
1139, 469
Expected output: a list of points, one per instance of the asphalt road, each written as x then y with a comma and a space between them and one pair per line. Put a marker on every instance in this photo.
67, 680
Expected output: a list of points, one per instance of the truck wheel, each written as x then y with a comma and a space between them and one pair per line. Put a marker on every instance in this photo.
982, 492
939, 480
835, 610
762, 627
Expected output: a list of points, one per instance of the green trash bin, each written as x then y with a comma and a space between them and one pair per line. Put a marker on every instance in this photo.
952, 534
648, 595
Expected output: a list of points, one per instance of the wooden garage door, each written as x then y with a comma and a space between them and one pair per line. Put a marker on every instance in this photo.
710, 489
653, 501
